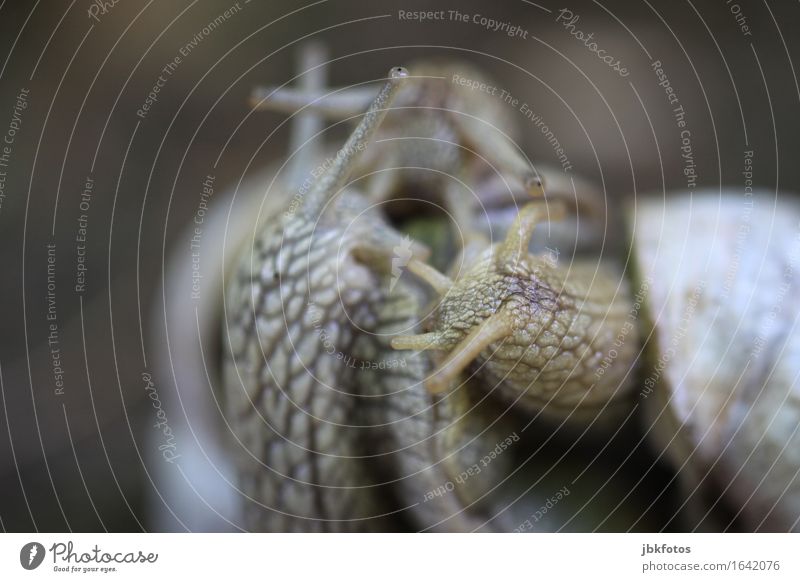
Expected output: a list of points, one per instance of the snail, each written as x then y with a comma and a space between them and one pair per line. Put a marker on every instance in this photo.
362, 385
534, 323
289, 283
318, 401
715, 318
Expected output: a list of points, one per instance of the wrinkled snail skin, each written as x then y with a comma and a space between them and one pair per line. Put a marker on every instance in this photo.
289, 398
424, 442
293, 407
718, 319
721, 389
326, 442
536, 331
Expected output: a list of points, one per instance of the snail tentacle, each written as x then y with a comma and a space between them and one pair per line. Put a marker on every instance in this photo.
420, 342
332, 181
502, 152
330, 103
294, 306
495, 328
515, 246
537, 331
439, 282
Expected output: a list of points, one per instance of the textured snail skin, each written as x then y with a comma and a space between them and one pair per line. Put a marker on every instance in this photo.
284, 391
299, 280
424, 441
318, 426
537, 331
564, 322
324, 444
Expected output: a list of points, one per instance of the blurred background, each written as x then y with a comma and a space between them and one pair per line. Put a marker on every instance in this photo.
87, 156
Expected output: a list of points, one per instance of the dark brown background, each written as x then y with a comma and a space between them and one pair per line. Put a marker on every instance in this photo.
52, 480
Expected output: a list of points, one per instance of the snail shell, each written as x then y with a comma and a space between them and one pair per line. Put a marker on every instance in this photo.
722, 385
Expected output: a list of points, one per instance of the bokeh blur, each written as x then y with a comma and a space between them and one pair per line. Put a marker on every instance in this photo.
98, 180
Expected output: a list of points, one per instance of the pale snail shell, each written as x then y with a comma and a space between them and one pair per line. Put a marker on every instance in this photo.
721, 388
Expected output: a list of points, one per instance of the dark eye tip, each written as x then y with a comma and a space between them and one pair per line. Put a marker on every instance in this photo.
398, 73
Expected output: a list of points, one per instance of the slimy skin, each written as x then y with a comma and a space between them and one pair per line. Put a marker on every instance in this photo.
294, 305
424, 441
329, 439
537, 331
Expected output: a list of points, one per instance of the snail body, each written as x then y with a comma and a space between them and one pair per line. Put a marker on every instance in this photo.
720, 372
300, 422
427, 444
539, 331
328, 436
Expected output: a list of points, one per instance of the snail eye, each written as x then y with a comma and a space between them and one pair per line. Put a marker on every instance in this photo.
399, 73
